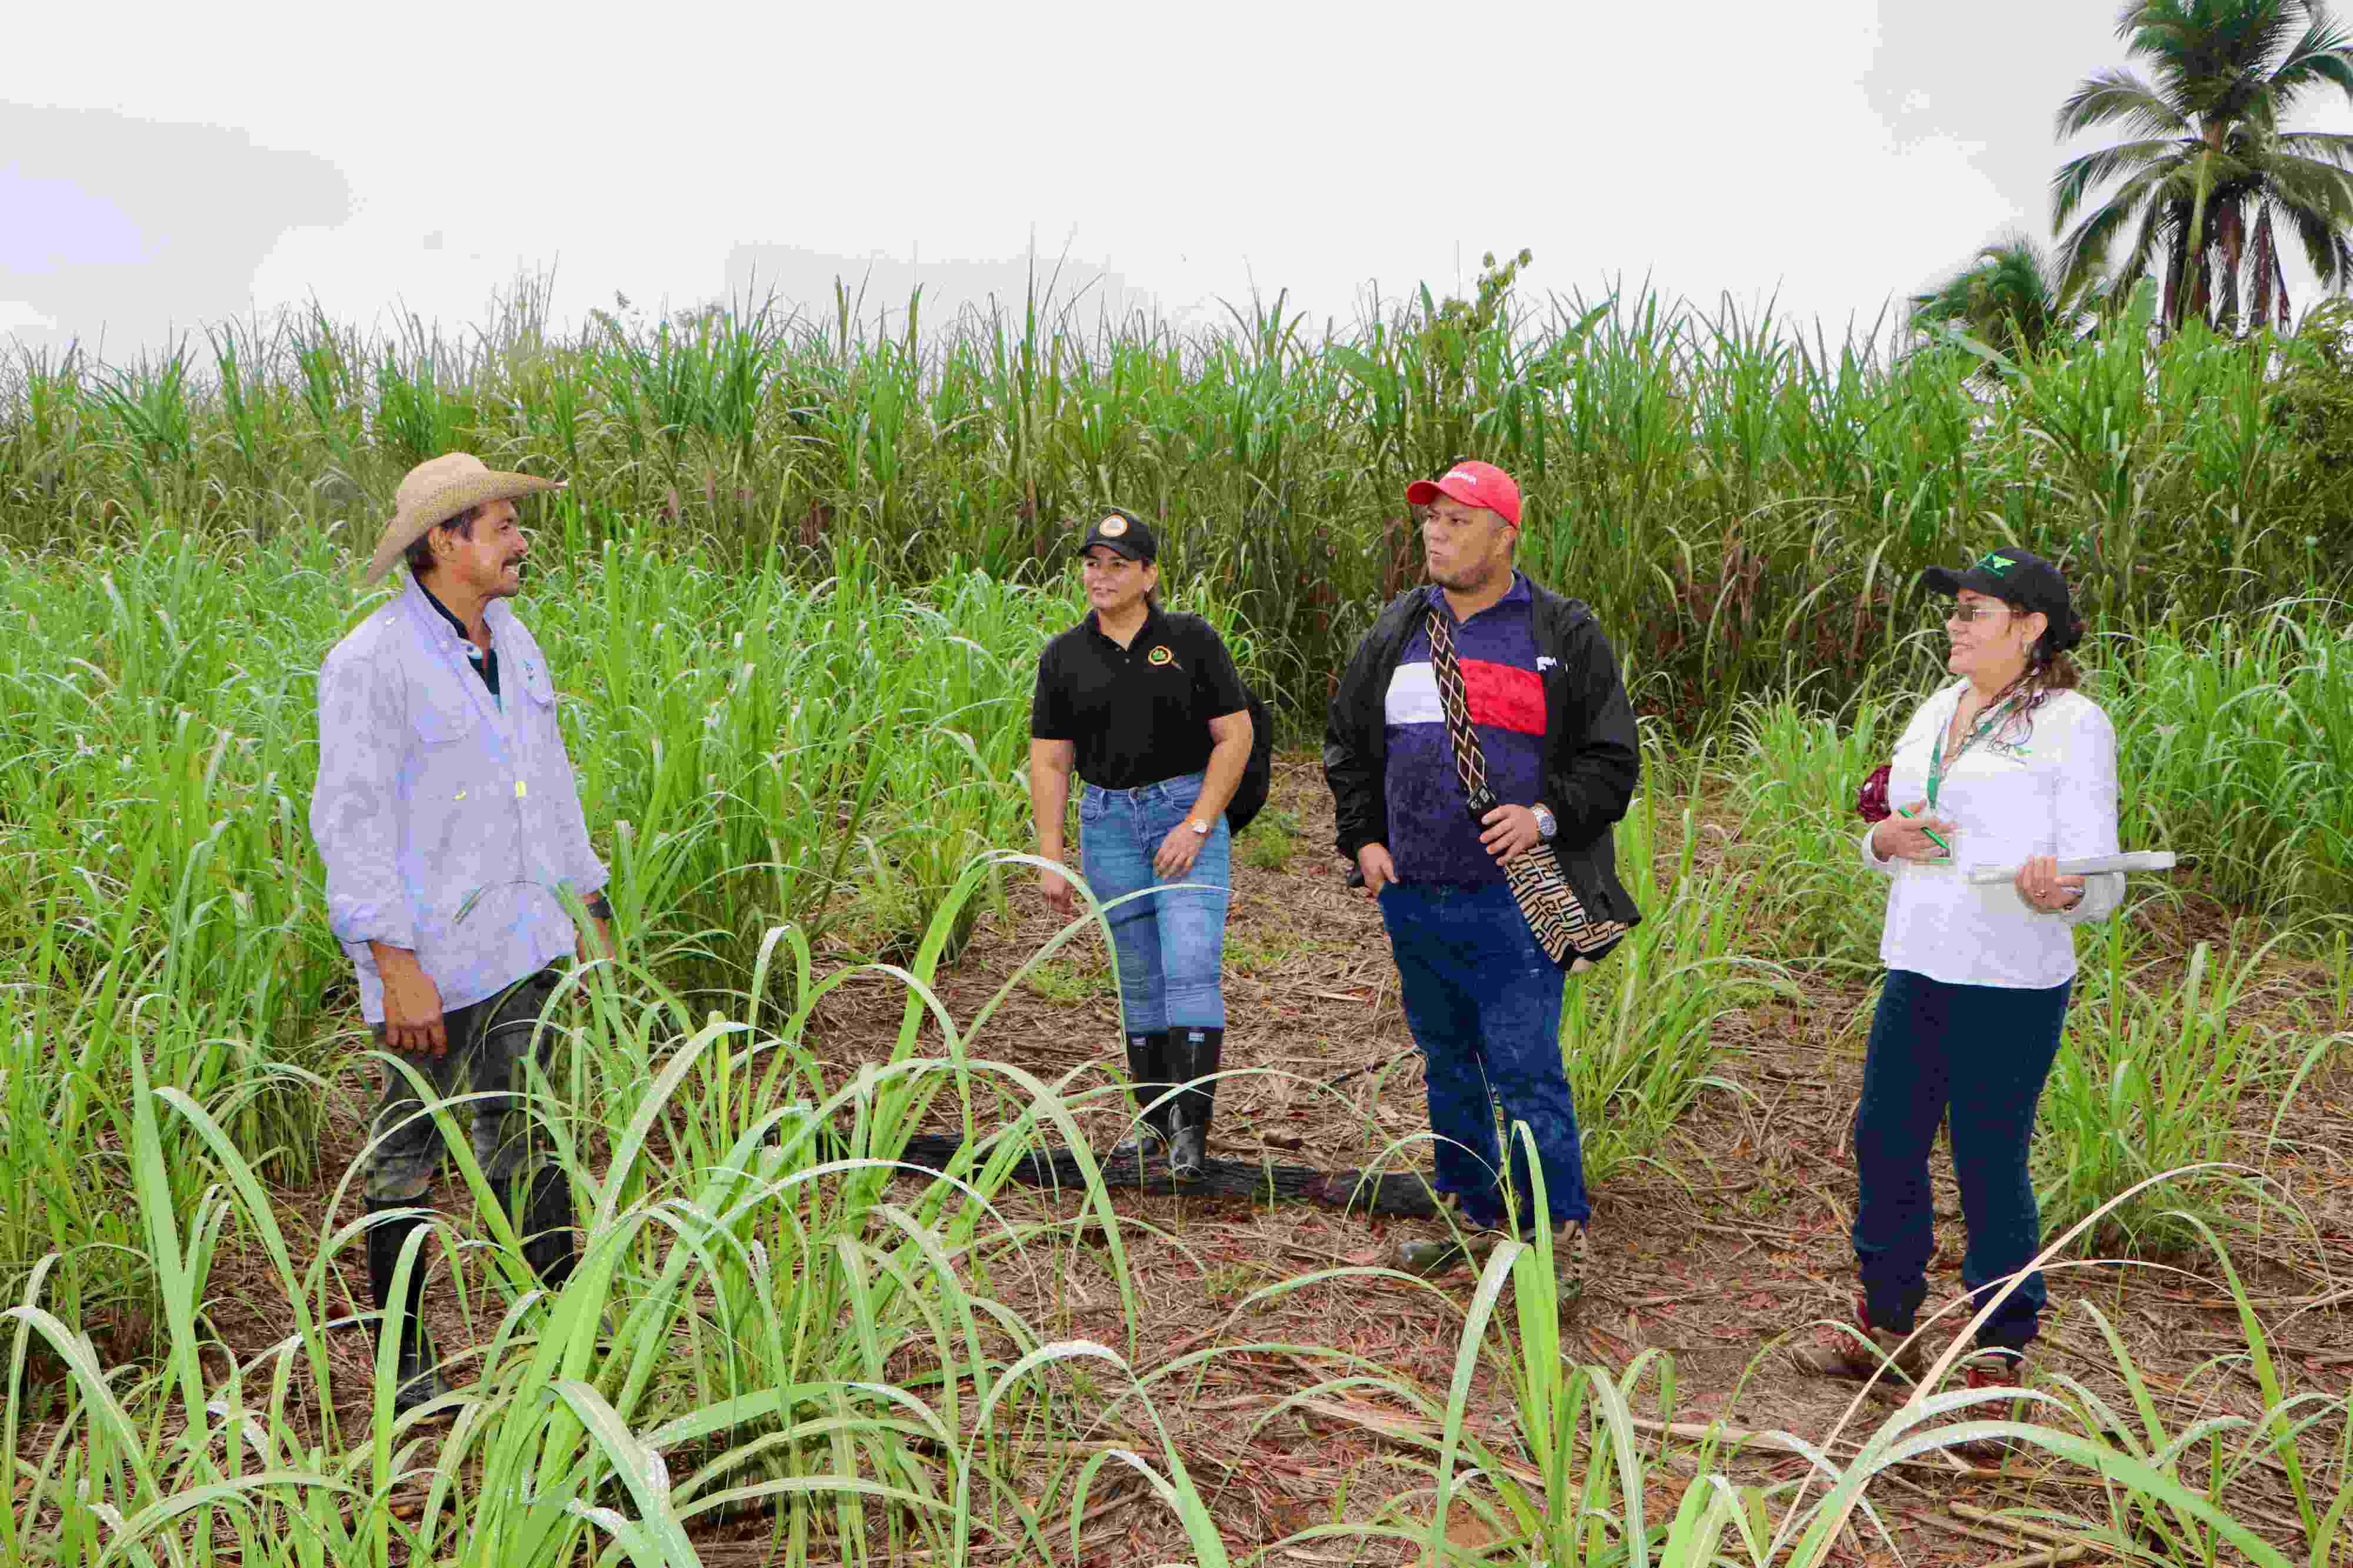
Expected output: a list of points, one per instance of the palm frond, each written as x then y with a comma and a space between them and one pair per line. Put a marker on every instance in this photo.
2322, 57
2330, 146
2324, 248
2084, 252
2078, 178
2112, 96
2296, 181
2156, 220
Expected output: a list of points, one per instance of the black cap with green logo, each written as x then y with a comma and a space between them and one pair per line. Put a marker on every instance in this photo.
2020, 577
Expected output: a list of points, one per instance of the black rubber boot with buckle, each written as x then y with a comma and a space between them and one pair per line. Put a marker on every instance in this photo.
417, 1377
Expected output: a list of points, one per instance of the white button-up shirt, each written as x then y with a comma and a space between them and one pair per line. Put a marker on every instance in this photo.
446, 818
2018, 794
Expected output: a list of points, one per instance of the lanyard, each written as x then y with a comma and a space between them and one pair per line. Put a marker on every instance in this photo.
1938, 761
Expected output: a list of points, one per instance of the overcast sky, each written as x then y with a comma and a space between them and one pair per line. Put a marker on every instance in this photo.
161, 167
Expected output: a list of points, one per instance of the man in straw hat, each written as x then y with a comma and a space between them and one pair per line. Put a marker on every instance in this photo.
450, 821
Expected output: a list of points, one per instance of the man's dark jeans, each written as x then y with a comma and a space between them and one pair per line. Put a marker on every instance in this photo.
1981, 1052
488, 1041
1483, 1001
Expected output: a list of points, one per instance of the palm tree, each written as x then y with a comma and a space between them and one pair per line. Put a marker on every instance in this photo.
2012, 297
2212, 179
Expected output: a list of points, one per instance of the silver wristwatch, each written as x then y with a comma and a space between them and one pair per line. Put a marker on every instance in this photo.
1200, 827
1546, 824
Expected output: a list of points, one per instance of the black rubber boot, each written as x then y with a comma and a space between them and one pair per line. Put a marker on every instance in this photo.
418, 1374
543, 1219
1148, 1069
544, 1226
1147, 1063
1193, 1056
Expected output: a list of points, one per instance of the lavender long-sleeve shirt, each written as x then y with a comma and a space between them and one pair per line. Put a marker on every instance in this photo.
446, 818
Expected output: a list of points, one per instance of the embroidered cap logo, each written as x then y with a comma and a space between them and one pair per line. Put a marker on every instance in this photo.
1997, 562
1111, 527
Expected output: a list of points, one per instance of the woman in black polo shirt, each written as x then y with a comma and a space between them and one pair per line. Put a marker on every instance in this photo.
1149, 710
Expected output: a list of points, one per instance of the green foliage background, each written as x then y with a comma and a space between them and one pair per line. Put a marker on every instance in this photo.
1742, 501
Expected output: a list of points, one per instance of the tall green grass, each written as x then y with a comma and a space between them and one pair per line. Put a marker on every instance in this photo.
793, 1336
1641, 1033
1741, 497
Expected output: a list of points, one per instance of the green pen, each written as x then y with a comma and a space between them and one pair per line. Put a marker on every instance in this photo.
1906, 811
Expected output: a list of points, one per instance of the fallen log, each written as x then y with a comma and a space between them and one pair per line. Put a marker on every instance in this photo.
1403, 1194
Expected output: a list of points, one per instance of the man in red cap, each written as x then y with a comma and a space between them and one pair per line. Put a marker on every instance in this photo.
1482, 720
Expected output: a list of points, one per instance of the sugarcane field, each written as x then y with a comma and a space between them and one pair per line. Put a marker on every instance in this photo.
1541, 925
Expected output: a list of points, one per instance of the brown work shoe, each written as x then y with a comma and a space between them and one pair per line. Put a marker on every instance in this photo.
1861, 1354
1444, 1254
1569, 1254
1472, 1247
1989, 1368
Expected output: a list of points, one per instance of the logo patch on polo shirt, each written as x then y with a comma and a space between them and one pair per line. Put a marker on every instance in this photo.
1160, 656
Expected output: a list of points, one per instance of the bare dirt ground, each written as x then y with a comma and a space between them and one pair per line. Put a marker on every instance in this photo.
1730, 1241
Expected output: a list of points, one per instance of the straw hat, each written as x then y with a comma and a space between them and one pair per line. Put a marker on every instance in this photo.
438, 490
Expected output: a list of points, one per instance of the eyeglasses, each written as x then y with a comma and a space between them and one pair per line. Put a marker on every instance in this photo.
1965, 614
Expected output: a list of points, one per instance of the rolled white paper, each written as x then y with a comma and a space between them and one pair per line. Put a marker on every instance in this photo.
2091, 866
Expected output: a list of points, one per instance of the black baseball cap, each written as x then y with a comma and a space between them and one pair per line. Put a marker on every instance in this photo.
2015, 577
1126, 532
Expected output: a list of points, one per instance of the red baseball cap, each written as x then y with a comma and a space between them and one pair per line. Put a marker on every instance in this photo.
1473, 484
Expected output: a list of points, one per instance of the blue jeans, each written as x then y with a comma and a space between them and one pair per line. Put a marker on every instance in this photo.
1484, 1002
1170, 947
1981, 1052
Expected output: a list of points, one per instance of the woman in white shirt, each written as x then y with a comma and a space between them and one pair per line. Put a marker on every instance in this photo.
2008, 765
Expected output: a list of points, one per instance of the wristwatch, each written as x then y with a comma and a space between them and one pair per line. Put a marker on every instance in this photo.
1200, 827
1546, 824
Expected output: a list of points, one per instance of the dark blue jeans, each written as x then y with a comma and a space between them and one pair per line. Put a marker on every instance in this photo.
1484, 1002
1980, 1053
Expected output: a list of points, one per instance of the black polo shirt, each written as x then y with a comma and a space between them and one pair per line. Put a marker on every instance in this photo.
1141, 713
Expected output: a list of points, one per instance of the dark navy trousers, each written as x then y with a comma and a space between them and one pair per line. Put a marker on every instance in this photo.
1978, 1055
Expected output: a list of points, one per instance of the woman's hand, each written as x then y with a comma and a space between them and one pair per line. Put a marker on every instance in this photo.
1905, 837
1179, 851
1060, 897
2043, 888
